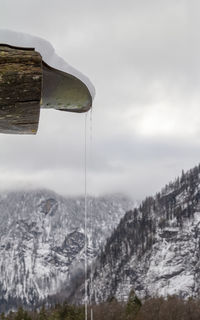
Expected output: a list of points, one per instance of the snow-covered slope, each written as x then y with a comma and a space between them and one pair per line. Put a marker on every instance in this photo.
155, 248
42, 241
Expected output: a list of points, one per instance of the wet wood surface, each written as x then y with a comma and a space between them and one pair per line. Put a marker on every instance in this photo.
20, 90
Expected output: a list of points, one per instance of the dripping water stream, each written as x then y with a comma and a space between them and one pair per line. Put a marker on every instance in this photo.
86, 264
91, 221
88, 214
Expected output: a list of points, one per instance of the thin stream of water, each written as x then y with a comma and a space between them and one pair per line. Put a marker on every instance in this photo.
88, 214
86, 262
91, 218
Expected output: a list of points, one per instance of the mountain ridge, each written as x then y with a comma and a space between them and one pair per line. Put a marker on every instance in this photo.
155, 249
42, 241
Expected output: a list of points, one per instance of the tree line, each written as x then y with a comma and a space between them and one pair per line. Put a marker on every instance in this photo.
173, 308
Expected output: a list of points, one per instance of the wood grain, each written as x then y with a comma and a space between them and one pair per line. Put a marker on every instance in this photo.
20, 90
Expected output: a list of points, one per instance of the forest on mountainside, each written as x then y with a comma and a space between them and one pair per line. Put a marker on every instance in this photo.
155, 247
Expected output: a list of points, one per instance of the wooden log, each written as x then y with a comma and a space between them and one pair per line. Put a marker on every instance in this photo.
20, 90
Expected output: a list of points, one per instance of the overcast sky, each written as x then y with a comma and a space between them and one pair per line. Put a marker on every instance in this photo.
143, 59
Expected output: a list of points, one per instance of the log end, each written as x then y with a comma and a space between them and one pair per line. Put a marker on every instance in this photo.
20, 90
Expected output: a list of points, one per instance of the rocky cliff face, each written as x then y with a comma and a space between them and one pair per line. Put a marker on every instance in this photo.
156, 247
42, 241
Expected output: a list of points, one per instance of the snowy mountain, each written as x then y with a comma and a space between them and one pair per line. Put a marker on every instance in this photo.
156, 247
42, 241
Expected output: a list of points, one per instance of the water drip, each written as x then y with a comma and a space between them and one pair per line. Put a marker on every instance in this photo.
88, 215
91, 218
86, 262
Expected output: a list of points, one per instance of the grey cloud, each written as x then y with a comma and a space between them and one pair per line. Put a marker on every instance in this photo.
138, 54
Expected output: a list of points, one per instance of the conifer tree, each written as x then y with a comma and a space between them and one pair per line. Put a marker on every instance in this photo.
2, 316
133, 306
42, 314
22, 315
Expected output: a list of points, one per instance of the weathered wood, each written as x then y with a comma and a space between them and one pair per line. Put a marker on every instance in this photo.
20, 90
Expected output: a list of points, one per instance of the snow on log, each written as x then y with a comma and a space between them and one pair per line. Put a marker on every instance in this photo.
31, 73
